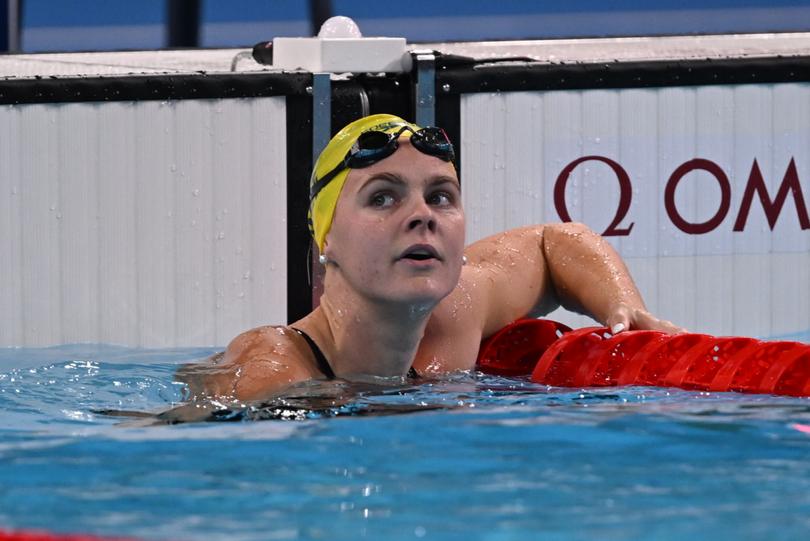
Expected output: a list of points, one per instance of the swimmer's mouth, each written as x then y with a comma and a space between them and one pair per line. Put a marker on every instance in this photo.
420, 252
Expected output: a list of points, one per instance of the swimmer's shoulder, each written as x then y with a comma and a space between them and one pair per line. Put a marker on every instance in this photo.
465, 304
266, 360
454, 330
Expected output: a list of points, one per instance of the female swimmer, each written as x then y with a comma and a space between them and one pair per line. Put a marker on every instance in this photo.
402, 295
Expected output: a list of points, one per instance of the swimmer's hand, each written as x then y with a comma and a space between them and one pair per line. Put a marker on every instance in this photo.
626, 318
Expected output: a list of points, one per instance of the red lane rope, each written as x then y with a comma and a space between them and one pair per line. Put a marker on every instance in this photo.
591, 357
513, 351
29, 535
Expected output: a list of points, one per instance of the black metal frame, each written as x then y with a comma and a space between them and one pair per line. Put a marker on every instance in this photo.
521, 76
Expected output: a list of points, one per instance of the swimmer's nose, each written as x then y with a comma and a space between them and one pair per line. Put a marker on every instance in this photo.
422, 216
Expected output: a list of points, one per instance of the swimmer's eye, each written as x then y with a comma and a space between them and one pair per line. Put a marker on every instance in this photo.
382, 200
441, 199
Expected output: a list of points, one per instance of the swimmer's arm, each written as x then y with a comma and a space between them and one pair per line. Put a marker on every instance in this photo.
508, 276
591, 278
532, 270
257, 365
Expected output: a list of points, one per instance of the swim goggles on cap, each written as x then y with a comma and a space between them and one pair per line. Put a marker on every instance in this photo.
373, 146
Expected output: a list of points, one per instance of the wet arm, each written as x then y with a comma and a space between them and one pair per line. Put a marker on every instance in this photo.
529, 271
589, 277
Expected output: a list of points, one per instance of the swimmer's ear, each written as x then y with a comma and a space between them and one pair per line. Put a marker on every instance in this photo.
324, 257
325, 250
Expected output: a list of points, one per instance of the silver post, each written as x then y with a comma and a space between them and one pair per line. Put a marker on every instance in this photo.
425, 105
321, 113
12, 26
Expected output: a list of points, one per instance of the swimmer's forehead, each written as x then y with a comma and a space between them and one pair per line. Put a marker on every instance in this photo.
395, 177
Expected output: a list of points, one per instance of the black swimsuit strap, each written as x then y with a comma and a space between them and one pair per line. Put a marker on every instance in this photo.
320, 358
323, 364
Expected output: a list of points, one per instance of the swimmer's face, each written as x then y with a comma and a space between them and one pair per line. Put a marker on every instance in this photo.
398, 230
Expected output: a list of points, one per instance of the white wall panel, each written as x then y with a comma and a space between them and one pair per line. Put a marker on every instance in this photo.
755, 281
11, 291
637, 131
41, 217
155, 222
561, 142
77, 209
147, 224
790, 140
120, 176
600, 137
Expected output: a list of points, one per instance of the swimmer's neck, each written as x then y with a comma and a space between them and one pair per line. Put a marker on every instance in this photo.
372, 338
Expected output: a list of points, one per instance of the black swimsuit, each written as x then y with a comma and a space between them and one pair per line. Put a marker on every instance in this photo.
323, 364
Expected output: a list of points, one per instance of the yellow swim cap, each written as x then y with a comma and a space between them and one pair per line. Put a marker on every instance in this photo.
322, 207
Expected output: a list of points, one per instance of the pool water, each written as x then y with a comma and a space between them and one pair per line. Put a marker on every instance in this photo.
471, 457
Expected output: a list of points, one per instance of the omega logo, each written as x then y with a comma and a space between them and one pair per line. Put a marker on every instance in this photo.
754, 186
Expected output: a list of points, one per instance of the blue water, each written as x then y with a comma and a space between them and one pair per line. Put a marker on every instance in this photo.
505, 459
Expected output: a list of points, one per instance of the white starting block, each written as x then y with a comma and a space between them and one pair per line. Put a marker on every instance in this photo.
340, 47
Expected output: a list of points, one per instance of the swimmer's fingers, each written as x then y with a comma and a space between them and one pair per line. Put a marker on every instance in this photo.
625, 318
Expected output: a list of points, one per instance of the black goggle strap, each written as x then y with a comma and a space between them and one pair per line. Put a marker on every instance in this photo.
316, 188
354, 160
430, 140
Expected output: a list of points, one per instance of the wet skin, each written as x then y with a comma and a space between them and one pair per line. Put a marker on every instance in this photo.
396, 293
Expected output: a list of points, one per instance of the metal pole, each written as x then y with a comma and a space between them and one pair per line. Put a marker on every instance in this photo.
10, 18
183, 23
321, 133
321, 113
319, 11
425, 91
